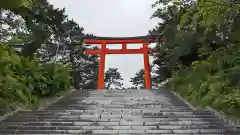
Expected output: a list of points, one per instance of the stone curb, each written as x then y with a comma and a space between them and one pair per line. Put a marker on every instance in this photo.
5, 116
215, 112
56, 100
179, 97
182, 99
222, 117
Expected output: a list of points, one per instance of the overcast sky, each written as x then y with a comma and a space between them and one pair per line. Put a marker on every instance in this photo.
113, 18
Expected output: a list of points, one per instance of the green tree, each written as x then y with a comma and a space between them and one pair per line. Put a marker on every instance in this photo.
71, 50
43, 21
200, 52
45, 24
50, 48
138, 80
15, 4
12, 28
50, 37
23, 82
113, 79
179, 46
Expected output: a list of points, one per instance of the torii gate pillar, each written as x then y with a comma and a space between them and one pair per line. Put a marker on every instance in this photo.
104, 50
146, 66
101, 66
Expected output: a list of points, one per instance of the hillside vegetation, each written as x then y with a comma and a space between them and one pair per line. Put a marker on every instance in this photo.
201, 54
23, 82
40, 54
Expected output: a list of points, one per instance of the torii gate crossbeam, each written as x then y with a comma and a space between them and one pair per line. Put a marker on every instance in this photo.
103, 41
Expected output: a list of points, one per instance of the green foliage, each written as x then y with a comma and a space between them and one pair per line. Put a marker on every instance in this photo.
210, 82
45, 31
10, 4
84, 67
47, 44
113, 79
201, 51
24, 81
53, 79
138, 80
45, 24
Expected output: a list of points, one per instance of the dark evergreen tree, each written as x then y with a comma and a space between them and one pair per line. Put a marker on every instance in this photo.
113, 79
199, 54
138, 80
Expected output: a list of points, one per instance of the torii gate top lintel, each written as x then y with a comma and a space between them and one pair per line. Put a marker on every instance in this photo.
103, 41
121, 40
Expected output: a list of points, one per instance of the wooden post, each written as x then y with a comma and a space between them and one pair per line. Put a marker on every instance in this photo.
146, 66
101, 67
124, 46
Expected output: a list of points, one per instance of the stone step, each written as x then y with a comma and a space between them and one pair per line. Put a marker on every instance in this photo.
117, 106
149, 122
123, 112
110, 115
117, 119
122, 105
122, 131
155, 112
119, 111
86, 127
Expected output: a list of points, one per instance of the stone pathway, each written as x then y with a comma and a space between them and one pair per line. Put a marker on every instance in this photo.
125, 112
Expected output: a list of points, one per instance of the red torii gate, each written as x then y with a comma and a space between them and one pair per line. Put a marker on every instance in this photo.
103, 41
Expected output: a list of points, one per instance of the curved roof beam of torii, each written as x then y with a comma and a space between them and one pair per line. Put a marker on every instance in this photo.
121, 40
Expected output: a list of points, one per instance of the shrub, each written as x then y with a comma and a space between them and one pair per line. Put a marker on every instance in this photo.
213, 82
24, 81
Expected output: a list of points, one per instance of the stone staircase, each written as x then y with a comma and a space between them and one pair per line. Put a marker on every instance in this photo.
126, 112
